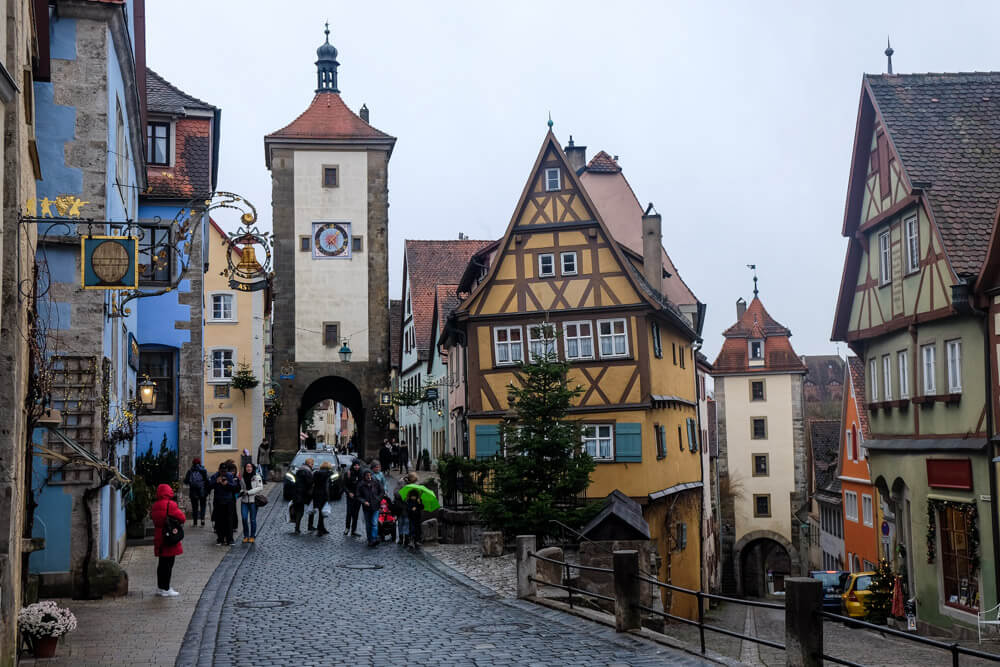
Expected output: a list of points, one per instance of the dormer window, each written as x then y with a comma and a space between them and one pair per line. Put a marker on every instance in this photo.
757, 350
158, 143
553, 180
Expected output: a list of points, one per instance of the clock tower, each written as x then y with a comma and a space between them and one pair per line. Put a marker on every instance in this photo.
329, 175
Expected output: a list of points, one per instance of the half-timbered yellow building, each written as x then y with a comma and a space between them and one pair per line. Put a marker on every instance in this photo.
559, 269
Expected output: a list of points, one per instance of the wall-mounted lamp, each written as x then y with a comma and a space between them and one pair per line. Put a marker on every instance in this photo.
147, 392
345, 352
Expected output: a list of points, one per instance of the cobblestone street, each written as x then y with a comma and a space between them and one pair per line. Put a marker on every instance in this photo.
305, 600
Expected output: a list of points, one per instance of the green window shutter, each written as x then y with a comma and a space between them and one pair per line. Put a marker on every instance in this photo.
628, 442
657, 346
487, 441
692, 434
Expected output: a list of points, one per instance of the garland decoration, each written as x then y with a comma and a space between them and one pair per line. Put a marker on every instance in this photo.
971, 516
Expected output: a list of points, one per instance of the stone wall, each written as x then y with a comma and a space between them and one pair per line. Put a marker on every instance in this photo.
803, 473
601, 554
191, 366
727, 500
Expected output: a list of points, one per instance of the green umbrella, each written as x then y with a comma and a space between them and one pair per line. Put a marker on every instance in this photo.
429, 497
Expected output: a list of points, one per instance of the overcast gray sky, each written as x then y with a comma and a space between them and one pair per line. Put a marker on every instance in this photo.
735, 119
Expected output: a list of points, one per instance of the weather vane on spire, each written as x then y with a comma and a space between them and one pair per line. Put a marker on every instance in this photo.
888, 54
550, 120
753, 267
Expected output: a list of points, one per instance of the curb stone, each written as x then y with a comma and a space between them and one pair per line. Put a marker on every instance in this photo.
198, 645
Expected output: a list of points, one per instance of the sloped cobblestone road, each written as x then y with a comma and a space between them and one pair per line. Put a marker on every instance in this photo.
295, 600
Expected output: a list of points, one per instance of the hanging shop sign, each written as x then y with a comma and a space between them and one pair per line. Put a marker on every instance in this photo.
109, 262
248, 255
133, 353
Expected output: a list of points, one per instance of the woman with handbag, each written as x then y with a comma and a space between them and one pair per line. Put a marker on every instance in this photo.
250, 486
168, 519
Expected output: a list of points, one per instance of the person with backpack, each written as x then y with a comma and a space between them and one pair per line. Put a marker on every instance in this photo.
196, 479
168, 520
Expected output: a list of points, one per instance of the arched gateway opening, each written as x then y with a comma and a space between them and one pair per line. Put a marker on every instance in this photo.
763, 559
330, 397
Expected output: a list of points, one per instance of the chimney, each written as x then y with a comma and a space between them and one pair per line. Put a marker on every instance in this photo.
741, 308
364, 112
652, 248
576, 155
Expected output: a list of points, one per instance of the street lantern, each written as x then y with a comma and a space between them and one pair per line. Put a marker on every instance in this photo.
345, 352
147, 392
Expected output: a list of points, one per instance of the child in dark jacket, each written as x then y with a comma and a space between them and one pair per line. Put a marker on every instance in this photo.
414, 510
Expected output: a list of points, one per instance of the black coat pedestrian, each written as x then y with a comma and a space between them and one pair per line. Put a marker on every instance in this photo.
385, 456
321, 488
303, 485
351, 480
369, 491
225, 493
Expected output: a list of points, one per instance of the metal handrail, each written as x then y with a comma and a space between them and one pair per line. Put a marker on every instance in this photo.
567, 564
954, 647
711, 596
572, 589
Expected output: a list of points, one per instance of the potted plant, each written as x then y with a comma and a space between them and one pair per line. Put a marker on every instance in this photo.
45, 622
244, 379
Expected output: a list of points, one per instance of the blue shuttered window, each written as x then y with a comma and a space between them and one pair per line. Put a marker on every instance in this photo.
628, 442
692, 427
487, 441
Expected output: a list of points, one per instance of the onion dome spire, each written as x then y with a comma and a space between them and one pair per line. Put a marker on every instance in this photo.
326, 66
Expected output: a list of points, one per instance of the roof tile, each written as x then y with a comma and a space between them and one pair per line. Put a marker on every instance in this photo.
164, 97
946, 130
328, 118
857, 367
757, 323
604, 163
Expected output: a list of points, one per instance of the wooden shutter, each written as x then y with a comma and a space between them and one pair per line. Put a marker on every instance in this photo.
628, 442
692, 435
487, 441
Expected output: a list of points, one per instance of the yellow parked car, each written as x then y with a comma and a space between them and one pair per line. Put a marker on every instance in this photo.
852, 601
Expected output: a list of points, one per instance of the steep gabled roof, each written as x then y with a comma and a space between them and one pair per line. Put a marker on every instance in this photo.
824, 435
603, 163
946, 130
779, 356
395, 331
856, 368
427, 264
164, 97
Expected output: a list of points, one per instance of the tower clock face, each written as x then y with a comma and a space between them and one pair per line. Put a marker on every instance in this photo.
331, 240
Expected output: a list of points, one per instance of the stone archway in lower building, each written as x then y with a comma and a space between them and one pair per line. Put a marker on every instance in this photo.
762, 560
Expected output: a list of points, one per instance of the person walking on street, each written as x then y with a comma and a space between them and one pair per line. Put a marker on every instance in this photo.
196, 479
385, 455
321, 495
165, 553
414, 515
250, 486
303, 493
263, 459
351, 481
379, 477
404, 457
224, 492
369, 495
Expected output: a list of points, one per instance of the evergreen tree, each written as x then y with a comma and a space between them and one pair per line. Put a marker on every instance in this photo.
878, 603
542, 467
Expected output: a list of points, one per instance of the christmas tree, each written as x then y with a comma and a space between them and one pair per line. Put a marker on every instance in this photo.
542, 467
878, 602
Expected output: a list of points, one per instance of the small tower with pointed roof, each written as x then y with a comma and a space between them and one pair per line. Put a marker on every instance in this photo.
763, 457
330, 199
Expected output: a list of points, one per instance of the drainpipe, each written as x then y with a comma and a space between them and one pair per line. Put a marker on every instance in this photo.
962, 302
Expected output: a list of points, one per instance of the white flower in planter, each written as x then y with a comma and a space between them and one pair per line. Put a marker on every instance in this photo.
46, 619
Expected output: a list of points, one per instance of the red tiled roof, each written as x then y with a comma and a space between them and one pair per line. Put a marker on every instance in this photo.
602, 162
395, 331
857, 367
757, 323
328, 118
447, 301
427, 264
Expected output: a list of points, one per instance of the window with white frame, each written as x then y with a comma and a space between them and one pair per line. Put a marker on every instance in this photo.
612, 338
541, 341
928, 355
873, 380
546, 265
850, 446
222, 364
886, 378
507, 345
884, 258
553, 179
912, 244
867, 514
851, 506
904, 376
598, 441
222, 432
954, 350
578, 338
568, 261
223, 307
756, 350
